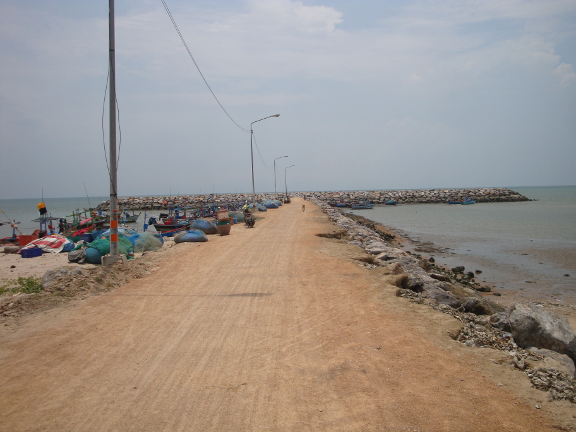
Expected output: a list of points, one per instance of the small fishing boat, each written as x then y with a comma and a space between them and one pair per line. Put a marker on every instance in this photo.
454, 202
361, 205
131, 218
468, 202
391, 202
171, 226
337, 204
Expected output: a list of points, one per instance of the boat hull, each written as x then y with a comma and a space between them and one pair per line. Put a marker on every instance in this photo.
164, 228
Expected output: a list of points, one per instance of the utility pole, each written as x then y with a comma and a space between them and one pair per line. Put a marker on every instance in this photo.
114, 255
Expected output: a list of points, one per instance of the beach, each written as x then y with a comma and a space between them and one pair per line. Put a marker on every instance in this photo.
272, 328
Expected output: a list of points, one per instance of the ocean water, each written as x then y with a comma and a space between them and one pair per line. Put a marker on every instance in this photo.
524, 250
25, 210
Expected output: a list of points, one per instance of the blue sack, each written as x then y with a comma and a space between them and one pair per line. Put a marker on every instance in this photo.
191, 236
204, 226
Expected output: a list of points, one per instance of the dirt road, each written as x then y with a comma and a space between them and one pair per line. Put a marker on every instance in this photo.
271, 328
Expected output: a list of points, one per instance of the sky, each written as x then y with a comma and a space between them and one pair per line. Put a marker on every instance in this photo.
371, 95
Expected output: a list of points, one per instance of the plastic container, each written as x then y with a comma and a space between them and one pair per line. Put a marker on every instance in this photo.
86, 237
32, 252
221, 214
223, 229
234, 221
23, 240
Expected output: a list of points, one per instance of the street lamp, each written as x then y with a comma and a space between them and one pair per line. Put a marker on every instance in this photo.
275, 194
286, 184
252, 155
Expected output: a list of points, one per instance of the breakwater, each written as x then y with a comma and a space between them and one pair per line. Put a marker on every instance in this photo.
423, 196
409, 196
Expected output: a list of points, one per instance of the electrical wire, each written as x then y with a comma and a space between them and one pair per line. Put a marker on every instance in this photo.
103, 133
260, 154
197, 67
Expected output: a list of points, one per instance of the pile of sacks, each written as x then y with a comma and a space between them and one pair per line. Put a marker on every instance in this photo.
129, 241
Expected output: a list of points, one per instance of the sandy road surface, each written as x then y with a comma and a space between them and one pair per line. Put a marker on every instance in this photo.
265, 329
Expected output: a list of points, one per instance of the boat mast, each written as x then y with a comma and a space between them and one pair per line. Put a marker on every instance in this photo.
113, 179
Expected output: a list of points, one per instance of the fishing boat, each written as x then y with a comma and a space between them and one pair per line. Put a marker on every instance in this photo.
454, 202
131, 218
362, 205
181, 224
391, 202
337, 204
468, 202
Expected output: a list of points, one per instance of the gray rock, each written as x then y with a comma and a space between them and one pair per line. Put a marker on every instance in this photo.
54, 276
459, 269
443, 297
479, 306
440, 277
413, 283
554, 360
376, 248
501, 321
532, 326
469, 303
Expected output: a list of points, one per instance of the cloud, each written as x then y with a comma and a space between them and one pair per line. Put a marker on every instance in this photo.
411, 77
275, 14
565, 74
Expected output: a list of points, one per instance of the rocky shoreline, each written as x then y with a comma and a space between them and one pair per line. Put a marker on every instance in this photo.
542, 344
416, 196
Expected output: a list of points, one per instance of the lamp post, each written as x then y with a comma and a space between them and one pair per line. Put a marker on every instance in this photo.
275, 194
286, 184
252, 155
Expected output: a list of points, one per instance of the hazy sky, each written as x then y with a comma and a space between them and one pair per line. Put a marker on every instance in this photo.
371, 95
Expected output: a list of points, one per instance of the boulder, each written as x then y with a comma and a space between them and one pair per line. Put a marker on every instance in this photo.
440, 277
501, 321
532, 326
414, 283
52, 277
479, 306
395, 269
443, 297
554, 360
375, 248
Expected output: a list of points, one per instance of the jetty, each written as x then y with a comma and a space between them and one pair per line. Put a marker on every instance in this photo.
280, 327
405, 196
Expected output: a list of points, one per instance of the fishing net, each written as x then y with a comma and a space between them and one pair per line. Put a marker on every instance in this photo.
191, 236
236, 214
204, 226
146, 241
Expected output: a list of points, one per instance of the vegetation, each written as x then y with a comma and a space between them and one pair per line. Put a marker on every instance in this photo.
26, 285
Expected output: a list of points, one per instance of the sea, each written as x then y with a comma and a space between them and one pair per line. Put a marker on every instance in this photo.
24, 211
524, 250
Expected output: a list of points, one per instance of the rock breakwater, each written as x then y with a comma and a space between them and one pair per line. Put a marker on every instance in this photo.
422, 196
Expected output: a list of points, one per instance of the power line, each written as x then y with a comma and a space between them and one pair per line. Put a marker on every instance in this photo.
197, 67
260, 154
